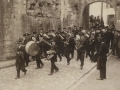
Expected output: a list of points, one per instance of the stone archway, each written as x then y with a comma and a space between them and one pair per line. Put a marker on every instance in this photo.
88, 2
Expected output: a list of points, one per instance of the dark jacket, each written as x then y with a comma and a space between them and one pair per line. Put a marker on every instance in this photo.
102, 55
84, 46
54, 58
20, 62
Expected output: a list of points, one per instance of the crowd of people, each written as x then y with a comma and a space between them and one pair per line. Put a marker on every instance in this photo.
96, 21
95, 41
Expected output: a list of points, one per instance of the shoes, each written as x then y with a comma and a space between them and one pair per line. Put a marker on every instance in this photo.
42, 66
81, 67
68, 63
17, 77
77, 59
56, 71
37, 68
50, 74
25, 72
100, 79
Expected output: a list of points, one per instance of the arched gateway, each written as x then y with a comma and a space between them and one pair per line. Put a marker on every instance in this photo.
86, 12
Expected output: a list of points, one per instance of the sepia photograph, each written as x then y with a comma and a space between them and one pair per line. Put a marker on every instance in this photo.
59, 44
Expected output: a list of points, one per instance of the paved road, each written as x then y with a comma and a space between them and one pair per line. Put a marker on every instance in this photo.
39, 79
111, 83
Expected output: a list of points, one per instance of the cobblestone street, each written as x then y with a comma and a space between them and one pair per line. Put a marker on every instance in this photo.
40, 80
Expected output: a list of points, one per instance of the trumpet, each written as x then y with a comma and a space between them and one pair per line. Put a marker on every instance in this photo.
45, 42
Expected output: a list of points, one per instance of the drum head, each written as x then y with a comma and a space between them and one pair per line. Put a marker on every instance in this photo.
32, 48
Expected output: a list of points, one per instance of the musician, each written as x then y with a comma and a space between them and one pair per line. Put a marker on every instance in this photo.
69, 29
52, 34
67, 51
108, 36
58, 40
40, 33
91, 46
26, 55
34, 38
98, 41
46, 46
53, 52
63, 36
82, 48
77, 39
72, 45
39, 55
75, 31
20, 61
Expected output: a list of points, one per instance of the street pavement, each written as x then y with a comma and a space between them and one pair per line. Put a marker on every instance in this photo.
6, 64
112, 81
38, 79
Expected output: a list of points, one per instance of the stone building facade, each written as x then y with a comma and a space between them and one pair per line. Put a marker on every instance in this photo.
18, 17
15, 21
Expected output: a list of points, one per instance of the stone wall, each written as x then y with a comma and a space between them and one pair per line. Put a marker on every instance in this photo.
14, 22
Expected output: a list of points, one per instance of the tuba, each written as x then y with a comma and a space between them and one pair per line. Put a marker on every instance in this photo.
79, 43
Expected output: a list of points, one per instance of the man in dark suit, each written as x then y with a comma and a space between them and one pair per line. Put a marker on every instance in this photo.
38, 56
63, 36
58, 40
75, 31
72, 45
53, 52
82, 48
102, 58
20, 61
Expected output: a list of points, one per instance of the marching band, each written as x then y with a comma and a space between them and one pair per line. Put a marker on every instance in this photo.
63, 43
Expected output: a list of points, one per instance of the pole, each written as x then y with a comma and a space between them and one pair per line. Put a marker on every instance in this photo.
101, 10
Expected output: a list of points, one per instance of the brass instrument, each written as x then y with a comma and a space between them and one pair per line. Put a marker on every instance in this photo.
79, 43
68, 37
50, 54
45, 42
45, 35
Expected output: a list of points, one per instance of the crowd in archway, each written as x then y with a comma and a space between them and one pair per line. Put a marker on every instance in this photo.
96, 22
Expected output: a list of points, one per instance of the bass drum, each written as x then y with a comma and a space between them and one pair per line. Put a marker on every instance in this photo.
32, 48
